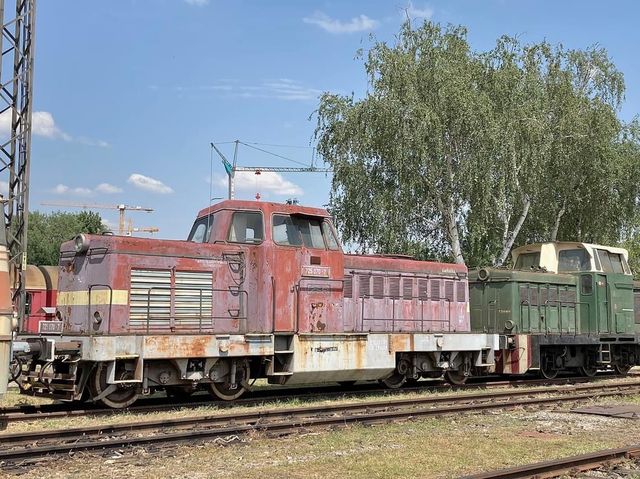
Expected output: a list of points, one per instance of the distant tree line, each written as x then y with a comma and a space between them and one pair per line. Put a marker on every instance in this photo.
461, 155
47, 232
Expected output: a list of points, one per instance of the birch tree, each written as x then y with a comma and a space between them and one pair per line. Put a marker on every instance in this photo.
462, 155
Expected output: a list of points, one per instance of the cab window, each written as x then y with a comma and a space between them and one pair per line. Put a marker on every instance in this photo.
329, 236
285, 232
246, 227
612, 262
573, 260
302, 230
528, 261
201, 230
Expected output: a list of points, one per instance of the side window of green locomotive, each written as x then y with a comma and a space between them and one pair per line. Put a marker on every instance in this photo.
246, 227
586, 284
528, 261
573, 260
612, 262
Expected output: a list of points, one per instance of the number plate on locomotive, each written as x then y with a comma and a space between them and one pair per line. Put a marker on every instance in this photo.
50, 327
316, 271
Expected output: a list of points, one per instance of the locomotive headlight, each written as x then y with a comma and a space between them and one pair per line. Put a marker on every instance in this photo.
81, 243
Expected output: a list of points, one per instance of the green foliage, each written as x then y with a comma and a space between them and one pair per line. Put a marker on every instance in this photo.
460, 155
48, 231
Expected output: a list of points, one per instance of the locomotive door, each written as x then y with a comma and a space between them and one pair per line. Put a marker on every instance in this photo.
603, 304
307, 275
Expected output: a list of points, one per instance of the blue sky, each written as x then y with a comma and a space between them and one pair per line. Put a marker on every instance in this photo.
129, 94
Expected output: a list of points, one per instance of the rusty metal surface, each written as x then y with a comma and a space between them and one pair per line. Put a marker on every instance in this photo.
623, 411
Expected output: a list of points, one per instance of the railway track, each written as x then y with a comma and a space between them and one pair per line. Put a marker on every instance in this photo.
20, 449
572, 465
153, 404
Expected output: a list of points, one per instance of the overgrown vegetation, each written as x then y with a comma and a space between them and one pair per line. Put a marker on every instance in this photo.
48, 231
460, 155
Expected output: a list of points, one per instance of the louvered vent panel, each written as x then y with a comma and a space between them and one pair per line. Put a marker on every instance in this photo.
461, 291
193, 298
435, 289
364, 283
423, 289
150, 299
448, 290
524, 295
394, 287
544, 295
533, 292
407, 288
347, 287
378, 287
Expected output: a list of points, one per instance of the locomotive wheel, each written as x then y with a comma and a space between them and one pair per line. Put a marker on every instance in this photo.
588, 371
455, 377
121, 395
225, 392
622, 370
394, 381
547, 372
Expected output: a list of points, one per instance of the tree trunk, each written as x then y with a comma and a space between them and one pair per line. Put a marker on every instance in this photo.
506, 247
554, 231
452, 228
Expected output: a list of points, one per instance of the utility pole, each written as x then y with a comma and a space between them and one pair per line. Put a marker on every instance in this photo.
233, 168
122, 228
16, 91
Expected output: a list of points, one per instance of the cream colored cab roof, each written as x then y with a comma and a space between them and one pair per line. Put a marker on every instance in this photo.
549, 254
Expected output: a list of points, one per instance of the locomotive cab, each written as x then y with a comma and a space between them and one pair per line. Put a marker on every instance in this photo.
567, 305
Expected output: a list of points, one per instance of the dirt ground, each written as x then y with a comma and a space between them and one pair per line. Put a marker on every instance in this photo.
438, 447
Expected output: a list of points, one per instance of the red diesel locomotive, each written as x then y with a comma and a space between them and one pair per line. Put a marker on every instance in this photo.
258, 290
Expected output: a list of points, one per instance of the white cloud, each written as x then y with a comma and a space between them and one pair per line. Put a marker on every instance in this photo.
265, 182
149, 184
61, 189
425, 12
108, 189
197, 3
42, 124
356, 24
4, 188
279, 89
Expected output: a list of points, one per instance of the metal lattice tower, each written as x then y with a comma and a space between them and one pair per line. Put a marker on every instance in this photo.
16, 89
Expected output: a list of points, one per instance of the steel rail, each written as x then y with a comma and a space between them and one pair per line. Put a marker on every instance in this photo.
273, 421
566, 465
52, 411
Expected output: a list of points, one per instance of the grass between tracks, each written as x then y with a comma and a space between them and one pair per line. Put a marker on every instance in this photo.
433, 447
14, 398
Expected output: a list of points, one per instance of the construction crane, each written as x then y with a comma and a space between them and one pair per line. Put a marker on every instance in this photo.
137, 229
122, 229
232, 167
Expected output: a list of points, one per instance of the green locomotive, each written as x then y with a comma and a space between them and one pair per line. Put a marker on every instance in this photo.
562, 306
